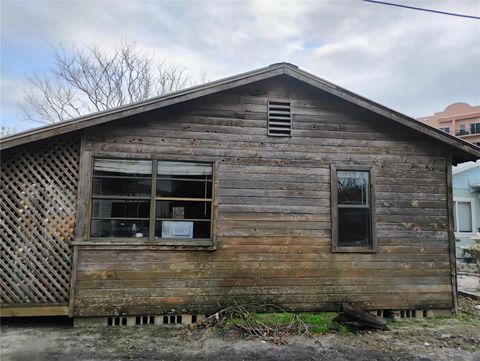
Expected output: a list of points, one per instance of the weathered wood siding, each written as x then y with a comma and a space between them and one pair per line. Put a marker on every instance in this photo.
38, 202
274, 225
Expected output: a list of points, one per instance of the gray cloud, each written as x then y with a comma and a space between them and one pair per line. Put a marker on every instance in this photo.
414, 62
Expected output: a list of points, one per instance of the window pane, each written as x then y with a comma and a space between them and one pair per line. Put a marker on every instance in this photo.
119, 228
183, 189
475, 128
464, 217
352, 187
122, 167
183, 210
353, 227
112, 208
139, 187
182, 229
184, 170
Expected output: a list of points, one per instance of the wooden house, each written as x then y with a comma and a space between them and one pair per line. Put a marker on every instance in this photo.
272, 186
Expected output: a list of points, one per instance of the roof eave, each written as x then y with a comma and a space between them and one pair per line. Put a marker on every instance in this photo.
143, 106
462, 150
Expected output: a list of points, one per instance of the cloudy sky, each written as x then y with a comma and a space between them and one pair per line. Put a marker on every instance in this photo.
414, 62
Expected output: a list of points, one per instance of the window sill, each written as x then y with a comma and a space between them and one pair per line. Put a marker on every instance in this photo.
354, 250
170, 244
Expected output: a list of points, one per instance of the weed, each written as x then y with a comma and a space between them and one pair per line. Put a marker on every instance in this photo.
318, 323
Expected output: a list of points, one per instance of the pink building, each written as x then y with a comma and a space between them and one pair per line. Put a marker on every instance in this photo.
460, 119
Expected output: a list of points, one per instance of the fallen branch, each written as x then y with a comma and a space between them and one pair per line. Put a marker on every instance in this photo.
243, 319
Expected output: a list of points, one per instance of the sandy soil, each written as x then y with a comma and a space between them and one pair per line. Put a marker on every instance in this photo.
434, 339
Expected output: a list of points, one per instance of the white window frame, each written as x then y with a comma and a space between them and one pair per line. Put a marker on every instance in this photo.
473, 214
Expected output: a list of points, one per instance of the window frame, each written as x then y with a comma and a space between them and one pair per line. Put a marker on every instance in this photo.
473, 214
151, 240
373, 247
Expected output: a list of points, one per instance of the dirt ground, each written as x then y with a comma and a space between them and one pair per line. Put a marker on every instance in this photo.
438, 339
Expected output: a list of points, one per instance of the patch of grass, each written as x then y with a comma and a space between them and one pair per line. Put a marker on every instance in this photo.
467, 315
318, 323
442, 317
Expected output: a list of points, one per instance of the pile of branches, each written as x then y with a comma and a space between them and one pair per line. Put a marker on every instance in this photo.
241, 318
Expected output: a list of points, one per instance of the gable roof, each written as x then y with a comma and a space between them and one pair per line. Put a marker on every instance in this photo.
465, 150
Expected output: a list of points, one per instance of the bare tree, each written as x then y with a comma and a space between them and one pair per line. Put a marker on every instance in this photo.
5, 131
84, 81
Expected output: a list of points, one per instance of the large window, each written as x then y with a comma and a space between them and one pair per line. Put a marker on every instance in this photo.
150, 199
352, 210
475, 128
464, 215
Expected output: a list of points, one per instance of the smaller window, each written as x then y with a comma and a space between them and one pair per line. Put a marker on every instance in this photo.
353, 214
279, 119
446, 130
462, 130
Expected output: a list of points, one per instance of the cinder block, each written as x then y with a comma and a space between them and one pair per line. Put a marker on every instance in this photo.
186, 319
159, 320
89, 321
439, 312
131, 321
144, 320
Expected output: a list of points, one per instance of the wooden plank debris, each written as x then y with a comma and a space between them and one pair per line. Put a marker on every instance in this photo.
358, 319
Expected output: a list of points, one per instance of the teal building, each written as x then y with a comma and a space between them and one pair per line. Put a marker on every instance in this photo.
466, 198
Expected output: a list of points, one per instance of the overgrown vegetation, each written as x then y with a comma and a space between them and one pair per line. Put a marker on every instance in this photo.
275, 326
316, 323
467, 312
474, 252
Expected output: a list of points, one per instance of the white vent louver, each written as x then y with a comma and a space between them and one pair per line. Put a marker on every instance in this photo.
279, 119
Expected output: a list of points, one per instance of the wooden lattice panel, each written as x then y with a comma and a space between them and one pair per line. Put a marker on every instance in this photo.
37, 217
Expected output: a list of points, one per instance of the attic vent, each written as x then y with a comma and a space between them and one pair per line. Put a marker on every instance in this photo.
279, 119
